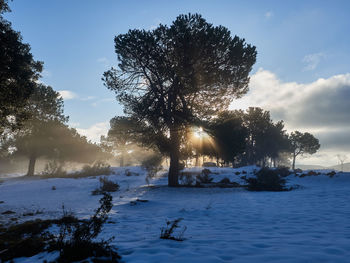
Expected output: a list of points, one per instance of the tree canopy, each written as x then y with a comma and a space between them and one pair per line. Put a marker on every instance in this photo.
303, 143
170, 76
18, 74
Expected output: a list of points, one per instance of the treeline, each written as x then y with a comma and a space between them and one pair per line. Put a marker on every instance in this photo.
32, 122
231, 138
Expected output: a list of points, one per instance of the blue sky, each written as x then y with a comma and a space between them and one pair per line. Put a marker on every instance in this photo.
298, 42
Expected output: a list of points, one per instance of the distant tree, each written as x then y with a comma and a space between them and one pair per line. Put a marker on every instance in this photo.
303, 143
121, 135
342, 158
171, 75
36, 138
229, 136
18, 74
276, 142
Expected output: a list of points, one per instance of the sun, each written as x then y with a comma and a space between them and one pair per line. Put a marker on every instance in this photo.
199, 133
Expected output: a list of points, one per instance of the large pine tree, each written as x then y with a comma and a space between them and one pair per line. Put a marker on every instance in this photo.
172, 75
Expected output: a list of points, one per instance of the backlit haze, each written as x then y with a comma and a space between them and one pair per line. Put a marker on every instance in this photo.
301, 76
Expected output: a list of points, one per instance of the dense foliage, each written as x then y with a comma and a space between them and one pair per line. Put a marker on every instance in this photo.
171, 75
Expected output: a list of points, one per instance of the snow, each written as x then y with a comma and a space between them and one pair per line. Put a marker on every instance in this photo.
309, 224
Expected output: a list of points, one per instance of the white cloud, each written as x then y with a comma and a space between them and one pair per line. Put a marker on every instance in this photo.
320, 107
88, 98
312, 60
104, 61
67, 94
96, 103
268, 14
95, 131
46, 73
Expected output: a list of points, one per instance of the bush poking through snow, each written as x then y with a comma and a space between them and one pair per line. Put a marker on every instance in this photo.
331, 174
204, 178
54, 169
98, 168
106, 185
266, 180
130, 173
168, 231
225, 181
186, 179
283, 171
152, 165
75, 241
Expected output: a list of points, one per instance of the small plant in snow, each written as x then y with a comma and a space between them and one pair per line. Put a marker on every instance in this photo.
204, 178
54, 169
186, 179
152, 165
225, 181
98, 168
106, 185
75, 241
129, 173
283, 171
168, 231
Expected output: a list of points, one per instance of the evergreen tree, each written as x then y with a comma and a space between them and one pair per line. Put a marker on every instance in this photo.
18, 74
303, 143
229, 135
172, 75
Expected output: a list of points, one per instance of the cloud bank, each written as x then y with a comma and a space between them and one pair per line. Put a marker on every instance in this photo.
94, 132
321, 107
67, 94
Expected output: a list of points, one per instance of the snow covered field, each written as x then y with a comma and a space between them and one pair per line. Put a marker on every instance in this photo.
310, 224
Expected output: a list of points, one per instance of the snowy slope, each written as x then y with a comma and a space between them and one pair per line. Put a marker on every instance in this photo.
310, 224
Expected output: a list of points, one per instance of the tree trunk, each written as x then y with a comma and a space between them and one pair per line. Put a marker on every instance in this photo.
121, 163
197, 160
293, 165
173, 176
31, 166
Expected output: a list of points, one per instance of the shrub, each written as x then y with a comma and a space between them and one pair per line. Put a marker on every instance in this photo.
106, 185
310, 173
331, 174
168, 231
75, 241
225, 181
283, 171
204, 178
54, 169
298, 170
127, 172
98, 168
153, 165
266, 180
186, 178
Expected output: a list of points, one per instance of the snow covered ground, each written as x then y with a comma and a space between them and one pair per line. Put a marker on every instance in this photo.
309, 224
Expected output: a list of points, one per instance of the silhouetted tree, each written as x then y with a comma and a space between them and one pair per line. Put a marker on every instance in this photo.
36, 138
342, 158
18, 73
229, 136
122, 133
265, 139
171, 75
303, 143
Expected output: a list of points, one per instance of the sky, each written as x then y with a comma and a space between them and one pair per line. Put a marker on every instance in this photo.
302, 73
